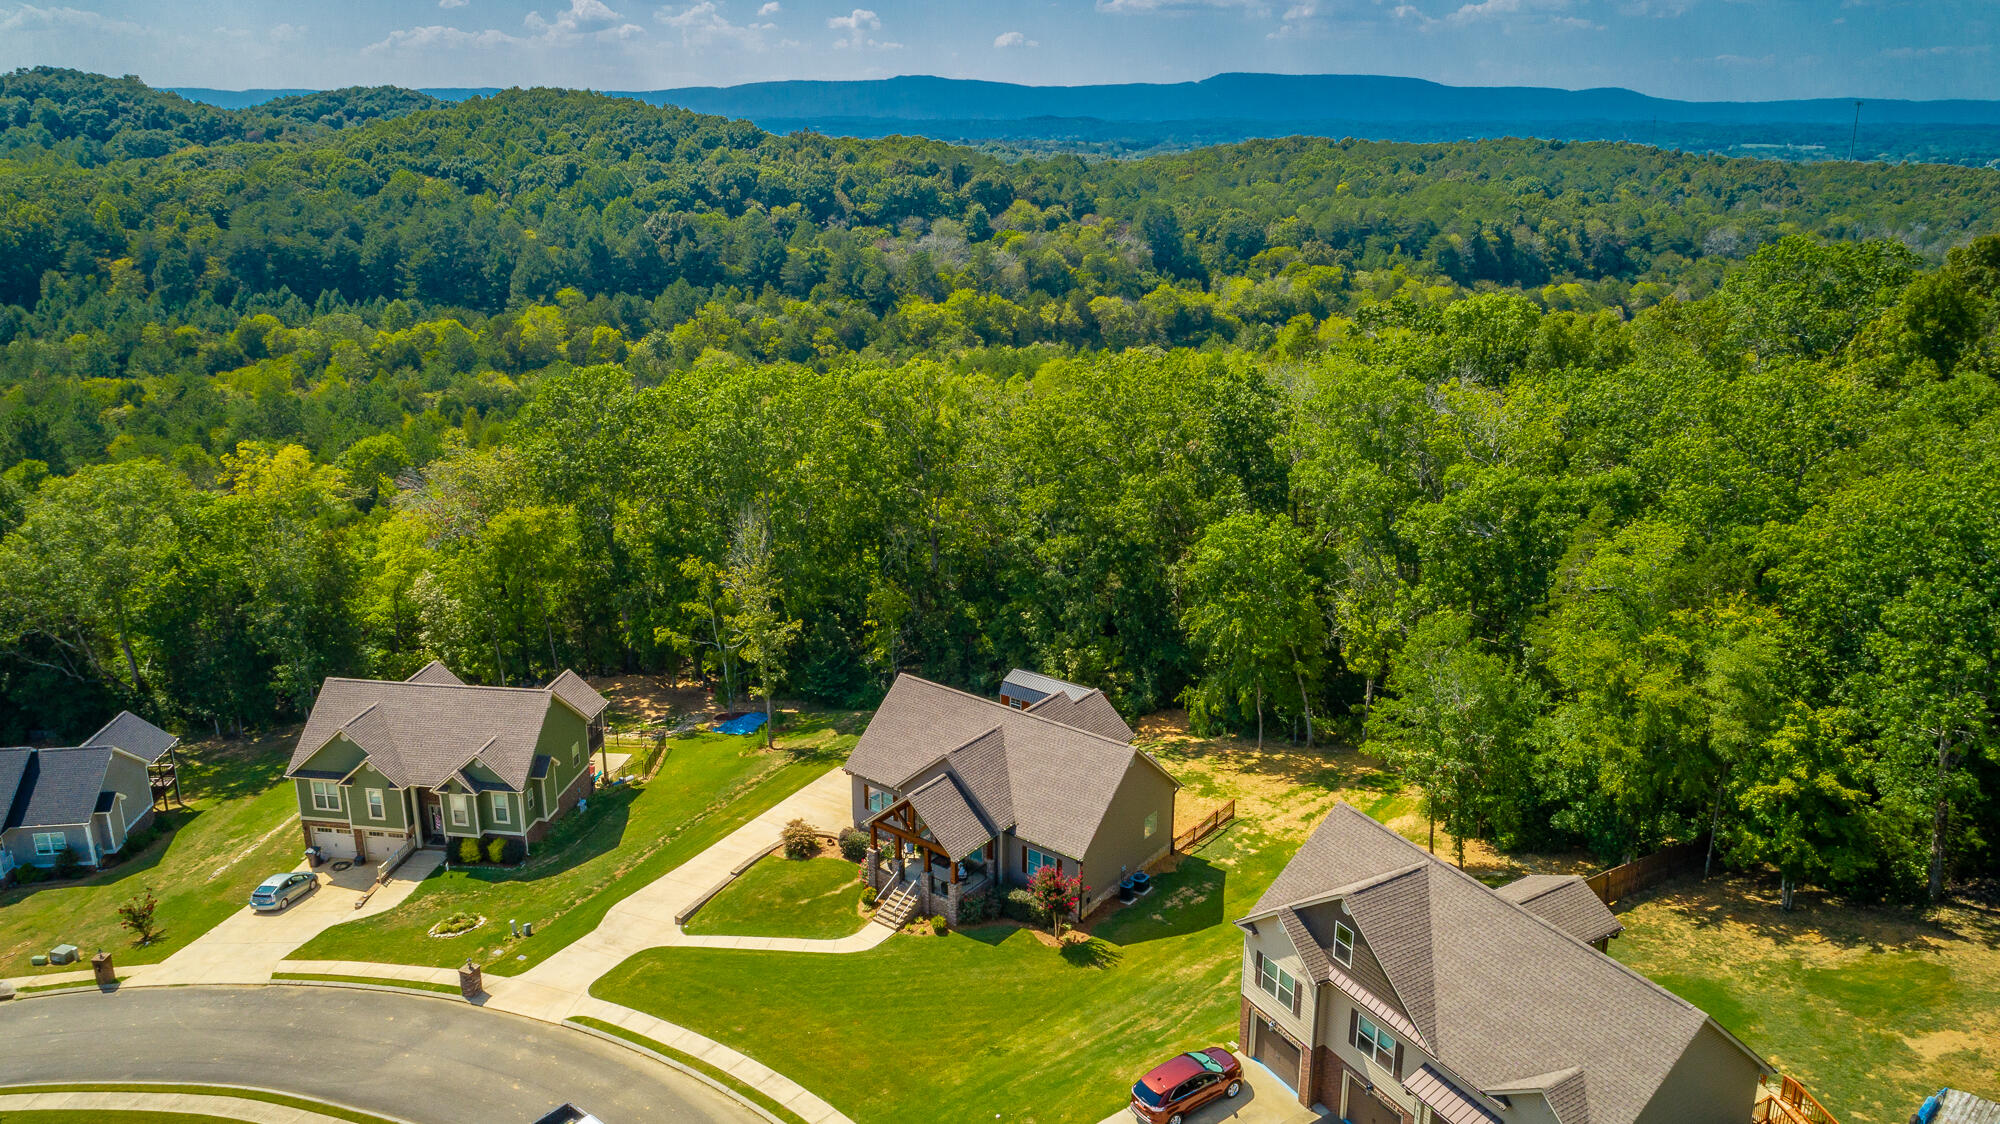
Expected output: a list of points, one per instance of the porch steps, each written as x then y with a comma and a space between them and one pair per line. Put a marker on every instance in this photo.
896, 910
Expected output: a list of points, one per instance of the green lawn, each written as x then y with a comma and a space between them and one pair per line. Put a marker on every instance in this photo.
708, 786
236, 836
1873, 1009
988, 1021
780, 897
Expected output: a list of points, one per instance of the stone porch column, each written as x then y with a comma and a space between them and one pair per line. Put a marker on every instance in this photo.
871, 868
953, 900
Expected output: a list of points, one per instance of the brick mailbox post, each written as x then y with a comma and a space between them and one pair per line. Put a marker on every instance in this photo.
469, 983
107, 976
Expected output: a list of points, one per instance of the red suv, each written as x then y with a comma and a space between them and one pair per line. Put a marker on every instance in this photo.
1173, 1090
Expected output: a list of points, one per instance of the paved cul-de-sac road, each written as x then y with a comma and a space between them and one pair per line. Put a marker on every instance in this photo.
425, 1060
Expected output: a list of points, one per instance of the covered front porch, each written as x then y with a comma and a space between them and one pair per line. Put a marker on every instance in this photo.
906, 856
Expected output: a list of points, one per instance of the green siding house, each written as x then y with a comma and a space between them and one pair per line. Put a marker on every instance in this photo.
386, 767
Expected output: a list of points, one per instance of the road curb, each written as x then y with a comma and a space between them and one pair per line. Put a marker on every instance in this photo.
183, 1086
565, 1024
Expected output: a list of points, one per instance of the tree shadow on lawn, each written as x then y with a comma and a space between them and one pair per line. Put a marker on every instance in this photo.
1752, 903
235, 770
1092, 953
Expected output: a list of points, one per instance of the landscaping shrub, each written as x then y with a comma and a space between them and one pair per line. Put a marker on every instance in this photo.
68, 865
801, 841
1021, 906
28, 875
495, 847
978, 906
512, 849
853, 844
938, 925
468, 851
455, 924
868, 896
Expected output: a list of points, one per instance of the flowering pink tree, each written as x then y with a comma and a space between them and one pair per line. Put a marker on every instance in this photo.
1056, 895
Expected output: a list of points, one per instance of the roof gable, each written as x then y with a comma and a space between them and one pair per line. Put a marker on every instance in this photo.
1092, 712
1567, 902
135, 736
13, 770
436, 674
578, 695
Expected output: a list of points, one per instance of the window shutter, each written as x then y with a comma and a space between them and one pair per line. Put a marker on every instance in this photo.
1354, 1027
1298, 990
1024, 856
1396, 1068
1257, 970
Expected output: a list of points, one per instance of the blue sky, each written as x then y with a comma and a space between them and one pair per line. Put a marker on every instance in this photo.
1703, 49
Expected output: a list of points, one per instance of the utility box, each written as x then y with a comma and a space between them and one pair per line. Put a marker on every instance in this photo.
469, 980
107, 976
63, 954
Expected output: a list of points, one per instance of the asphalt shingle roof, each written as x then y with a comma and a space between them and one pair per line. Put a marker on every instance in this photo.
135, 736
1092, 712
1057, 780
421, 733
59, 787
570, 688
437, 675
942, 807
1501, 995
13, 770
1565, 901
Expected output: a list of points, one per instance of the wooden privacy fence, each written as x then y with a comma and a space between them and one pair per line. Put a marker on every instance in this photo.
1630, 878
1789, 1103
1210, 824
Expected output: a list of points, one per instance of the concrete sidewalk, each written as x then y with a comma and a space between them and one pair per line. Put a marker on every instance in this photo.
226, 1108
646, 918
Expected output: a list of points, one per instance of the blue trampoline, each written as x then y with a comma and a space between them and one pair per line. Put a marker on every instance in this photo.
742, 724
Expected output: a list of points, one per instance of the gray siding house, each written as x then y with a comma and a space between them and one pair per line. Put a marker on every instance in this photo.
385, 767
83, 800
974, 795
1392, 988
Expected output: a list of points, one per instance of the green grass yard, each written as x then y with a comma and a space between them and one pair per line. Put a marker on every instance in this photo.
988, 1022
708, 786
1873, 1009
779, 897
242, 829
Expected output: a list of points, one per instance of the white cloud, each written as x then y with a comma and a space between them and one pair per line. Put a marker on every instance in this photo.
769, 10
1148, 7
704, 25
287, 33
420, 38
453, 3
28, 17
1014, 39
854, 28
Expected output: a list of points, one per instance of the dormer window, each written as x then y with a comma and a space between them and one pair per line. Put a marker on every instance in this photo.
1343, 944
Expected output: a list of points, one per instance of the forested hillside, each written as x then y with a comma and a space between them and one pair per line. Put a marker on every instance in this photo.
1611, 494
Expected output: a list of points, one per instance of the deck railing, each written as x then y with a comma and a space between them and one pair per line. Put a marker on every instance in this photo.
1215, 821
1790, 1102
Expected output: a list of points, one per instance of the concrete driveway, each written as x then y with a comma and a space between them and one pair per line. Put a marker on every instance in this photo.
247, 946
438, 1061
1264, 1100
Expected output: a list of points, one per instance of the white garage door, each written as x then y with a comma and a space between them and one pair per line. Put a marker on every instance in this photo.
334, 842
382, 845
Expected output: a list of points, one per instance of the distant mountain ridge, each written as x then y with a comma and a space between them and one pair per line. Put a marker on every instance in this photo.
1234, 97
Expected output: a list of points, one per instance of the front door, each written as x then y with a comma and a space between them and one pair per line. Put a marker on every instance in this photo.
1363, 1107
433, 818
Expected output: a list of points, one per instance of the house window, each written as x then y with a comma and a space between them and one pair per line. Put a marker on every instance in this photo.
50, 843
1035, 860
1343, 944
500, 811
575, 751
326, 796
1152, 823
375, 811
1373, 1042
1278, 983
879, 799
461, 816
